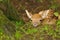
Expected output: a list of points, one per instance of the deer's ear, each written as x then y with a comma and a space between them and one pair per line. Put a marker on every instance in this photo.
44, 13
28, 14
41, 12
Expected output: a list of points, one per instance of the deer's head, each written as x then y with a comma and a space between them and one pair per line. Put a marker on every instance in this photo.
36, 18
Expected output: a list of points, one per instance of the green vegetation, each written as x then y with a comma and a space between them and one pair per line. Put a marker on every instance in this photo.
58, 22
13, 27
31, 31
56, 14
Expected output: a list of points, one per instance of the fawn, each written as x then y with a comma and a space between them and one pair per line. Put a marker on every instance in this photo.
36, 18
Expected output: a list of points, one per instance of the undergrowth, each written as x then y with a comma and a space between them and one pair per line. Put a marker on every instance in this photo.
25, 31
28, 29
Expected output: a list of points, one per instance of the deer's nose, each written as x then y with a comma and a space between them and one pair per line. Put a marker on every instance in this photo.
35, 25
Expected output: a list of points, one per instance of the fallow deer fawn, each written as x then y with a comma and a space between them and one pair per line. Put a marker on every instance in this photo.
36, 18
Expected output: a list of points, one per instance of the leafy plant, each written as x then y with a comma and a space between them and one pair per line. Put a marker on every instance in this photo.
58, 22
31, 31
1, 31
46, 27
51, 32
19, 23
18, 35
56, 14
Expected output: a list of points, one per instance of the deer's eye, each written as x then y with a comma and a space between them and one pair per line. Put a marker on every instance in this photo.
40, 20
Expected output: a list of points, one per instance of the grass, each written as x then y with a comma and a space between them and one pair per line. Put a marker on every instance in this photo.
27, 31
41, 30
